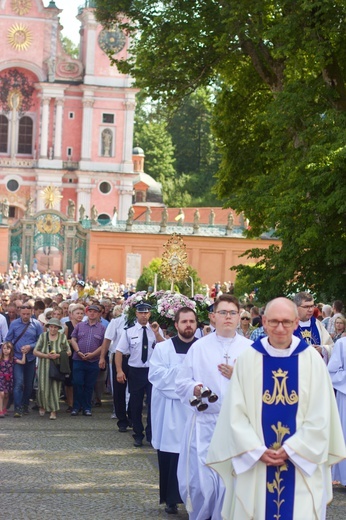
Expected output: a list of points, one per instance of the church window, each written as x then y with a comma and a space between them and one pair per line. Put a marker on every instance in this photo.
71, 115
69, 152
12, 211
103, 219
108, 118
105, 187
12, 185
140, 196
3, 134
25, 135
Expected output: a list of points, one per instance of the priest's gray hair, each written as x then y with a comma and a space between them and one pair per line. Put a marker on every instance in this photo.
301, 297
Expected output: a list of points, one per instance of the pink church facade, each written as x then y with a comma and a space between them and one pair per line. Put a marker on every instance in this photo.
64, 122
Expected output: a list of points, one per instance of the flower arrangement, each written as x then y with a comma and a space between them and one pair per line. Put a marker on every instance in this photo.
203, 304
168, 304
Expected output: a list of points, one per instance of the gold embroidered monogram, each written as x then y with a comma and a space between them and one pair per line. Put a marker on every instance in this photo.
280, 392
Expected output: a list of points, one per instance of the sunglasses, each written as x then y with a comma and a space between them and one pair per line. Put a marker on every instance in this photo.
248, 319
25, 307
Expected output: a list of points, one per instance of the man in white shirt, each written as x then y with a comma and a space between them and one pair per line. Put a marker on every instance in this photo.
278, 431
138, 342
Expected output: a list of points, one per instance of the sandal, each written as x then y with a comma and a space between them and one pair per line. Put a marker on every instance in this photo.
42, 411
52, 416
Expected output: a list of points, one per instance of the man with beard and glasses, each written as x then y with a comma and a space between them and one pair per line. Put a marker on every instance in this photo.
169, 415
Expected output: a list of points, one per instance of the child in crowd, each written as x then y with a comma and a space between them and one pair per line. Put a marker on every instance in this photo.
6, 374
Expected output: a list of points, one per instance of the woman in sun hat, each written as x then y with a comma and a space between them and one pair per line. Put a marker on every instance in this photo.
50, 346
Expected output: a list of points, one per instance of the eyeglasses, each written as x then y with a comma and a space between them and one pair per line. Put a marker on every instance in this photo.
245, 318
285, 323
309, 307
226, 313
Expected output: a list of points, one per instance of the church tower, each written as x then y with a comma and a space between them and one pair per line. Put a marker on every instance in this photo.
64, 122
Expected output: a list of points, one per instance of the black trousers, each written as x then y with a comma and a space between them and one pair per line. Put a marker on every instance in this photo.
119, 395
139, 385
169, 489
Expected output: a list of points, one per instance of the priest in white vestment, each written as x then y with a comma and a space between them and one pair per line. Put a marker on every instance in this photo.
337, 371
278, 432
209, 363
168, 414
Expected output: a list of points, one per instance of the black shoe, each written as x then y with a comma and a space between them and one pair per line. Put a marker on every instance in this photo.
98, 404
122, 429
26, 410
171, 509
138, 443
87, 413
74, 413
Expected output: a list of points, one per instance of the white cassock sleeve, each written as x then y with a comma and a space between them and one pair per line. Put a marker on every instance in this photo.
162, 374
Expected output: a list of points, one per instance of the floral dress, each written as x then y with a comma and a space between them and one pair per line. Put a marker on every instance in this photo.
6, 376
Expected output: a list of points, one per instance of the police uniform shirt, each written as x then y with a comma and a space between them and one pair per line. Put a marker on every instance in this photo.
131, 343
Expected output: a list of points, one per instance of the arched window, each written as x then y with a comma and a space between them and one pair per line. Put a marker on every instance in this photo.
3, 134
25, 135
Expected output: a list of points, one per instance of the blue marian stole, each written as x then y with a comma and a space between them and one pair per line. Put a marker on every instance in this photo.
280, 398
309, 334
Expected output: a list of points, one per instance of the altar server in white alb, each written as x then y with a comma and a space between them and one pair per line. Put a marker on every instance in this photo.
207, 367
337, 371
278, 432
169, 415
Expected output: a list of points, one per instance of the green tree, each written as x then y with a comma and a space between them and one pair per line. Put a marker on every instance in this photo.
70, 47
279, 118
159, 161
196, 153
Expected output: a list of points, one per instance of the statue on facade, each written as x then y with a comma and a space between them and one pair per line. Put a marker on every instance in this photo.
230, 223
94, 214
28, 207
164, 220
130, 218
148, 215
211, 217
115, 216
71, 209
196, 221
81, 212
180, 217
107, 142
5, 208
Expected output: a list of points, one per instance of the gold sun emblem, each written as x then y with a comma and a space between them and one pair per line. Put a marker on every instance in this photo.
51, 195
21, 7
19, 37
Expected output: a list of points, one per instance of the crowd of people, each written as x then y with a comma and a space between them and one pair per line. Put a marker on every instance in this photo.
247, 410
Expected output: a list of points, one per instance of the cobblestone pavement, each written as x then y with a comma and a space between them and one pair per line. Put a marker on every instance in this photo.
82, 468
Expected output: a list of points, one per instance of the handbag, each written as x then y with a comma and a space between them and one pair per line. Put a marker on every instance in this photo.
54, 372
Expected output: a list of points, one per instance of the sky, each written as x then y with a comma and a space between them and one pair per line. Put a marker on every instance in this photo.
68, 17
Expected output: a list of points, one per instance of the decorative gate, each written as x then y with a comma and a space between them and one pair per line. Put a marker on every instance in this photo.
47, 232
